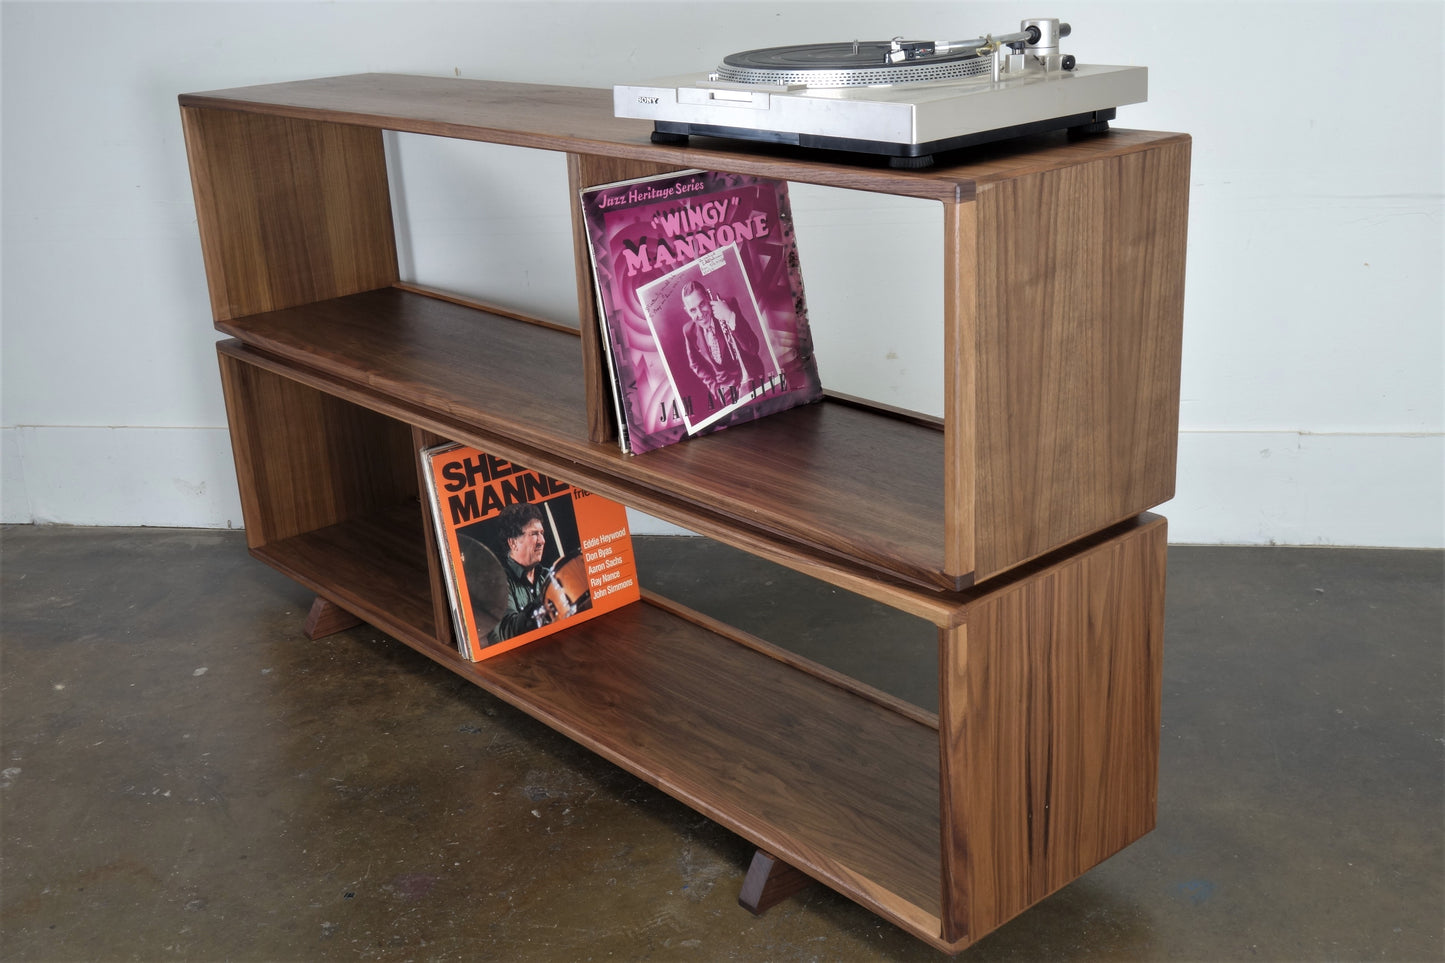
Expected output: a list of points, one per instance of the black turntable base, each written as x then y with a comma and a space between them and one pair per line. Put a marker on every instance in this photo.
903, 156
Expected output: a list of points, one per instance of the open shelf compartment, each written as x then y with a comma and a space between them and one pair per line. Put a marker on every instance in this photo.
329, 491
861, 485
831, 781
372, 566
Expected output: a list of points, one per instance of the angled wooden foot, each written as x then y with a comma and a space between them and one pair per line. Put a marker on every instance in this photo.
327, 618
769, 881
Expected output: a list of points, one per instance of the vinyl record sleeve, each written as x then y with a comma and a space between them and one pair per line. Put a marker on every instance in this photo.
700, 291
523, 555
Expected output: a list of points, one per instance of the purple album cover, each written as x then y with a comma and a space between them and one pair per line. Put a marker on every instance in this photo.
701, 299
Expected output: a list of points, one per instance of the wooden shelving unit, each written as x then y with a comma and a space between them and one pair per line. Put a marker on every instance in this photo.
1014, 525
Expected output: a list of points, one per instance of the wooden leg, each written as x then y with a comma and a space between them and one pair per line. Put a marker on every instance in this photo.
327, 618
769, 881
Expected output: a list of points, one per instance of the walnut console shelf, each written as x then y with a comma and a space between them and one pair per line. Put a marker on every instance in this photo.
1013, 525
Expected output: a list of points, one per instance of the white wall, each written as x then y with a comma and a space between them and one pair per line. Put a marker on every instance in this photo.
1312, 398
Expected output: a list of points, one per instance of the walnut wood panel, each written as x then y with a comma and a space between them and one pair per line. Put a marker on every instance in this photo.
436, 354
327, 618
940, 608
832, 783
306, 460
370, 565
1078, 339
478, 305
289, 211
960, 360
769, 882
579, 120
834, 477
801, 663
584, 171
1049, 723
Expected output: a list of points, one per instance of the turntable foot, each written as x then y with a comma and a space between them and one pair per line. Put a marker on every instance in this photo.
911, 163
664, 137
1088, 130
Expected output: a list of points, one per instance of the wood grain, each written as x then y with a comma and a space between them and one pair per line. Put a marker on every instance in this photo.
584, 171
306, 460
370, 565
831, 783
1078, 346
579, 120
769, 881
289, 211
327, 618
1049, 723
960, 407
906, 595
795, 661
835, 478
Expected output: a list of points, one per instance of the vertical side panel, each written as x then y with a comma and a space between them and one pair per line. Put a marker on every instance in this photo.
583, 171
960, 317
306, 460
1081, 306
290, 211
1049, 728
957, 822
241, 418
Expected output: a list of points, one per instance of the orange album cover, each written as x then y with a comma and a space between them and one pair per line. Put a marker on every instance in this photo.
524, 555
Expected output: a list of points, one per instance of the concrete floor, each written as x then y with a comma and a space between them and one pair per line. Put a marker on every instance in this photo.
184, 776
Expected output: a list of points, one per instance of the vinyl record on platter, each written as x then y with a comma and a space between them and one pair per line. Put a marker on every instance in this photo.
851, 64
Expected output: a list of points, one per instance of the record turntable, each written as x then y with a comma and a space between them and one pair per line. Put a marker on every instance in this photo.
901, 99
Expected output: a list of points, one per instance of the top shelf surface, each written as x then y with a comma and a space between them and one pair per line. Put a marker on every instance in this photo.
580, 120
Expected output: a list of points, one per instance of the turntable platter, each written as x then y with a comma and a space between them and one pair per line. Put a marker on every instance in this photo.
856, 64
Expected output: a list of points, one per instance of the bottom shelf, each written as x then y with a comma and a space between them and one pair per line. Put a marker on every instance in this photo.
833, 782
830, 781
373, 566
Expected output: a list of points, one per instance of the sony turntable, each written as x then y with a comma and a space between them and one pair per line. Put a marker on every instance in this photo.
904, 100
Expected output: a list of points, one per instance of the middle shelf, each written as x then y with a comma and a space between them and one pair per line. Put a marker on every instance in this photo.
861, 486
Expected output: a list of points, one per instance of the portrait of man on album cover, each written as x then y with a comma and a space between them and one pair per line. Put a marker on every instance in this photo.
525, 541
711, 338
